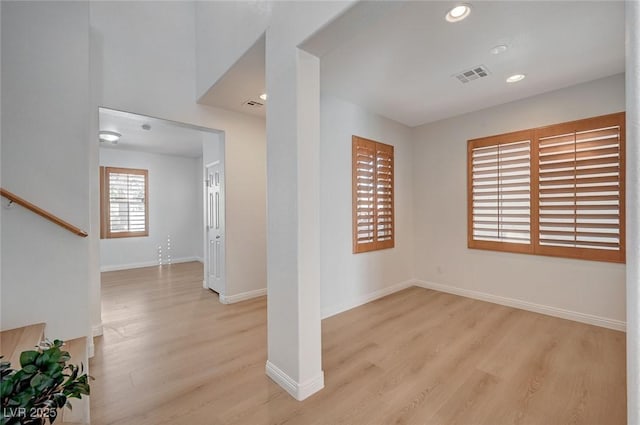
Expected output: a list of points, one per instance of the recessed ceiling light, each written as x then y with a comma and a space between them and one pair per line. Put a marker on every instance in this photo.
263, 96
515, 78
458, 13
109, 136
500, 48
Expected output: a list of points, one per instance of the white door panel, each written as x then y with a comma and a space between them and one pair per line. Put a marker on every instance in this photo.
215, 228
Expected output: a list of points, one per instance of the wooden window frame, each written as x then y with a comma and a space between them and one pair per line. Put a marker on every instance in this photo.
485, 142
534, 135
105, 216
375, 244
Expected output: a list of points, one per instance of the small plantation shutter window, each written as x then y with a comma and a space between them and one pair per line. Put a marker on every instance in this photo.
125, 202
581, 189
500, 201
373, 195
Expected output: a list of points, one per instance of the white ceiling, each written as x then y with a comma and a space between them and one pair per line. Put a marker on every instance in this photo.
398, 58
164, 137
245, 81
401, 66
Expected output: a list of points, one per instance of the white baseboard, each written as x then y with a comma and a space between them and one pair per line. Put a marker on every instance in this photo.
97, 330
299, 391
145, 264
337, 309
230, 299
576, 316
199, 259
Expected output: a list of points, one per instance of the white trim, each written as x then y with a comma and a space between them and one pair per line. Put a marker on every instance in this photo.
199, 259
91, 348
311, 386
231, 299
363, 299
576, 316
97, 330
299, 391
145, 264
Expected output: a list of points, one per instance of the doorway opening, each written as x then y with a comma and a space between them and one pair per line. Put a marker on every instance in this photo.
162, 195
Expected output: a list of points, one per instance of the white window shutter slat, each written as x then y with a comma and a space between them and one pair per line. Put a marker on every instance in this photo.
579, 189
501, 198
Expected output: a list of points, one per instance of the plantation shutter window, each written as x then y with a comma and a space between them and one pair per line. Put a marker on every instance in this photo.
124, 197
581, 189
556, 190
373, 195
500, 181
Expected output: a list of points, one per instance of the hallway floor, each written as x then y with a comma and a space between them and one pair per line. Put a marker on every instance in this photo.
172, 354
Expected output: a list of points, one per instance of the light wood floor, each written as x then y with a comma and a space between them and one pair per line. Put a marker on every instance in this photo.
171, 354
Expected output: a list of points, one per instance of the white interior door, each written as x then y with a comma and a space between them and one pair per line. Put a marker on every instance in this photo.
215, 228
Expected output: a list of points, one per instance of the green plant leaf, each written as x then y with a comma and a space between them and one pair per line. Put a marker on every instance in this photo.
28, 357
64, 355
54, 355
45, 380
6, 386
30, 369
22, 376
6, 372
41, 382
59, 400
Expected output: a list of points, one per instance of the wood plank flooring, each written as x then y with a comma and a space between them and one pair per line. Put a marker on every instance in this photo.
14, 341
172, 354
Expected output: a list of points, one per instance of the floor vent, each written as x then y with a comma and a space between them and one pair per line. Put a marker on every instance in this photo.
474, 73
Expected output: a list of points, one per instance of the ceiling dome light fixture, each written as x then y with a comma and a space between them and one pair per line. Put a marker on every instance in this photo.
458, 13
263, 96
515, 78
109, 136
500, 48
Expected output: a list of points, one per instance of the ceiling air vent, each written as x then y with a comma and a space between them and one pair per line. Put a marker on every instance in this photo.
474, 73
253, 104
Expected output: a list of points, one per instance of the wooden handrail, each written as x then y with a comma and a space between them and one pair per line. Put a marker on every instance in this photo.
28, 205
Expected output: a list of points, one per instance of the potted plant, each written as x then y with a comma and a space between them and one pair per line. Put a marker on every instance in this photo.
34, 394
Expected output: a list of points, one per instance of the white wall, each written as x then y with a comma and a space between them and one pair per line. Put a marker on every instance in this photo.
1, 212
173, 211
45, 160
216, 49
351, 279
632, 10
439, 173
144, 54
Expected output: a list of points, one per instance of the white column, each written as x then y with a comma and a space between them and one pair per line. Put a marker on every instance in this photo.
293, 204
633, 210
311, 375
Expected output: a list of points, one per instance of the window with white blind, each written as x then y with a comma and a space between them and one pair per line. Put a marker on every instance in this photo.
556, 190
125, 202
501, 191
373, 193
